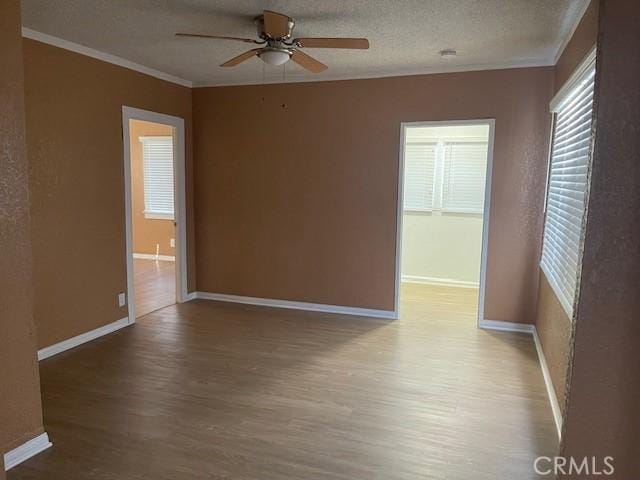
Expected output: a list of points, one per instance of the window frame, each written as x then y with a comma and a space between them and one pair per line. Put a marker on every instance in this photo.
581, 73
437, 198
468, 141
156, 214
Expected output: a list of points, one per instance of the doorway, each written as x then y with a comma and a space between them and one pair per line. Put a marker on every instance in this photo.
154, 210
443, 210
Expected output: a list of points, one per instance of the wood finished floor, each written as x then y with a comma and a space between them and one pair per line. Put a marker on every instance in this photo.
223, 391
154, 285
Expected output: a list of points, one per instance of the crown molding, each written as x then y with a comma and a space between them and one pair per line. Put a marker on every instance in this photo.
297, 78
572, 29
328, 77
105, 57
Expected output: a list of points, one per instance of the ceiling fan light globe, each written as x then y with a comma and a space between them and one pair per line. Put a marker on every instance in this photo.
274, 56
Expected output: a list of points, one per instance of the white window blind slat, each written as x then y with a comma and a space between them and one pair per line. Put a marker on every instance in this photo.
575, 114
445, 175
419, 167
157, 154
465, 166
567, 188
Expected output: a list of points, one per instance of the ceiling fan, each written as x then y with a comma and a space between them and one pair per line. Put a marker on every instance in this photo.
277, 46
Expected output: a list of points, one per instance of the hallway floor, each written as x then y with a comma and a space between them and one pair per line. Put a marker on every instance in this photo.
154, 285
213, 390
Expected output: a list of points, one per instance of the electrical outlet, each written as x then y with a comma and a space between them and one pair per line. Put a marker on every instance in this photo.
172, 243
122, 300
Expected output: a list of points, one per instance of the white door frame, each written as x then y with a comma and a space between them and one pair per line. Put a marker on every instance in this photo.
180, 214
485, 215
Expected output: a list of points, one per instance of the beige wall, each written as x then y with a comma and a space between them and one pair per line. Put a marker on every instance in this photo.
147, 232
74, 142
335, 160
444, 247
20, 408
552, 322
604, 392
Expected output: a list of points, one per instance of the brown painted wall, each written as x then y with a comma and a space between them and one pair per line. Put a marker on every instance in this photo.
20, 408
147, 233
296, 184
74, 142
604, 392
552, 322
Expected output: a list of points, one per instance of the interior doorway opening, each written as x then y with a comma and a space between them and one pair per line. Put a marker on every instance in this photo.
443, 217
155, 212
152, 215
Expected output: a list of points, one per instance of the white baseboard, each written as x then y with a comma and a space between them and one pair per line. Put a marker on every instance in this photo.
153, 256
506, 326
313, 307
531, 329
553, 399
444, 282
27, 450
190, 296
82, 338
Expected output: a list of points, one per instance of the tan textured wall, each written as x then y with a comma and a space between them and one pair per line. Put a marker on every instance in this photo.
74, 142
296, 184
552, 322
604, 392
554, 330
147, 232
20, 408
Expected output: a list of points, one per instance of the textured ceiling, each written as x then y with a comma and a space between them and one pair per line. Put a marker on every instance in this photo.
405, 35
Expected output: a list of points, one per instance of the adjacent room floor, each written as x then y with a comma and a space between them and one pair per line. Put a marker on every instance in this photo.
215, 390
154, 285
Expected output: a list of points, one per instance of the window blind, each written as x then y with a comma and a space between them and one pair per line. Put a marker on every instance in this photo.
567, 188
157, 153
465, 171
419, 170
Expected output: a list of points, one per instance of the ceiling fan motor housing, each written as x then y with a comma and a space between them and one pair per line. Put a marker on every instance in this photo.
259, 22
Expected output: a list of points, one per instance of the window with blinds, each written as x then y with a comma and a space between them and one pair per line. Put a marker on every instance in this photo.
419, 168
465, 167
157, 155
567, 188
446, 176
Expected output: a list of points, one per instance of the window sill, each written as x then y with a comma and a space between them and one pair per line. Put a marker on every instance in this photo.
158, 216
440, 212
417, 210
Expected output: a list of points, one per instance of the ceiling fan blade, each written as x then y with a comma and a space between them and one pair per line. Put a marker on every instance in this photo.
276, 25
241, 58
308, 62
216, 37
355, 43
